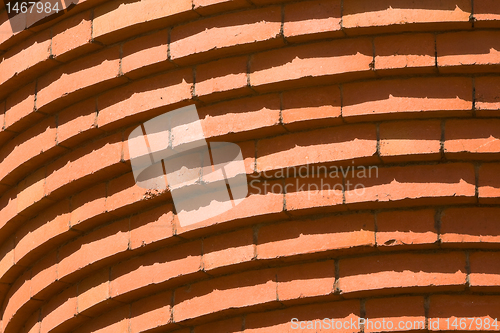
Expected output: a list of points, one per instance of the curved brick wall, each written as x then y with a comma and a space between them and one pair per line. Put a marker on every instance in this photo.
411, 87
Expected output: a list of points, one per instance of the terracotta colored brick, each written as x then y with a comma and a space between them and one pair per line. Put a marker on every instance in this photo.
402, 313
209, 7
77, 123
313, 236
93, 294
486, 13
406, 228
485, 272
479, 226
420, 139
73, 37
82, 164
60, 309
233, 325
7, 260
152, 226
228, 249
252, 29
472, 139
47, 229
442, 307
31, 190
96, 246
44, 281
87, 205
229, 292
246, 118
140, 100
125, 196
461, 51
306, 280
405, 54
146, 55
402, 273
8, 207
487, 96
18, 297
152, 312
307, 318
222, 79
32, 324
312, 19
318, 146
20, 106
155, 267
430, 184
110, 322
116, 19
415, 97
315, 194
311, 107
489, 183
403, 15
319, 62
78, 78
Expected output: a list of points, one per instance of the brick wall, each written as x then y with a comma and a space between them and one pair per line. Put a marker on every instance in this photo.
409, 87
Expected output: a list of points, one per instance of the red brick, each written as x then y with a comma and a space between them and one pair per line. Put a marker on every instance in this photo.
486, 13
311, 107
404, 54
60, 309
280, 321
44, 280
155, 268
233, 325
318, 146
313, 236
403, 15
415, 97
489, 183
140, 100
81, 77
18, 298
475, 138
242, 119
402, 273
487, 96
77, 123
117, 20
398, 311
419, 139
485, 272
151, 312
8, 207
49, 228
96, 246
228, 249
468, 51
152, 226
209, 7
20, 109
468, 226
146, 55
248, 30
113, 321
31, 191
88, 205
306, 280
413, 227
73, 37
224, 293
312, 63
308, 20
430, 184
443, 307
33, 323
222, 79
93, 294
7, 260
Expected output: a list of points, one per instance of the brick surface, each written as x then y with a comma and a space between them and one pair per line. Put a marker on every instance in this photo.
486, 13
152, 226
475, 139
487, 97
77, 123
470, 226
489, 183
151, 312
20, 108
404, 313
228, 249
209, 7
485, 274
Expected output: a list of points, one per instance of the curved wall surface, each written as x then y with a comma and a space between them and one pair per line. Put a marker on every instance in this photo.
317, 94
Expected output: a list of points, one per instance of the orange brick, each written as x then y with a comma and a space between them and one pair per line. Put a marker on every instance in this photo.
489, 183
402, 273
124, 196
88, 205
408, 98
487, 96
31, 191
113, 321
313, 236
151, 312
468, 226
209, 7
308, 20
152, 226
406, 228
484, 271
397, 313
486, 13
59, 310
20, 109
472, 139
44, 281
77, 123
419, 139
233, 325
